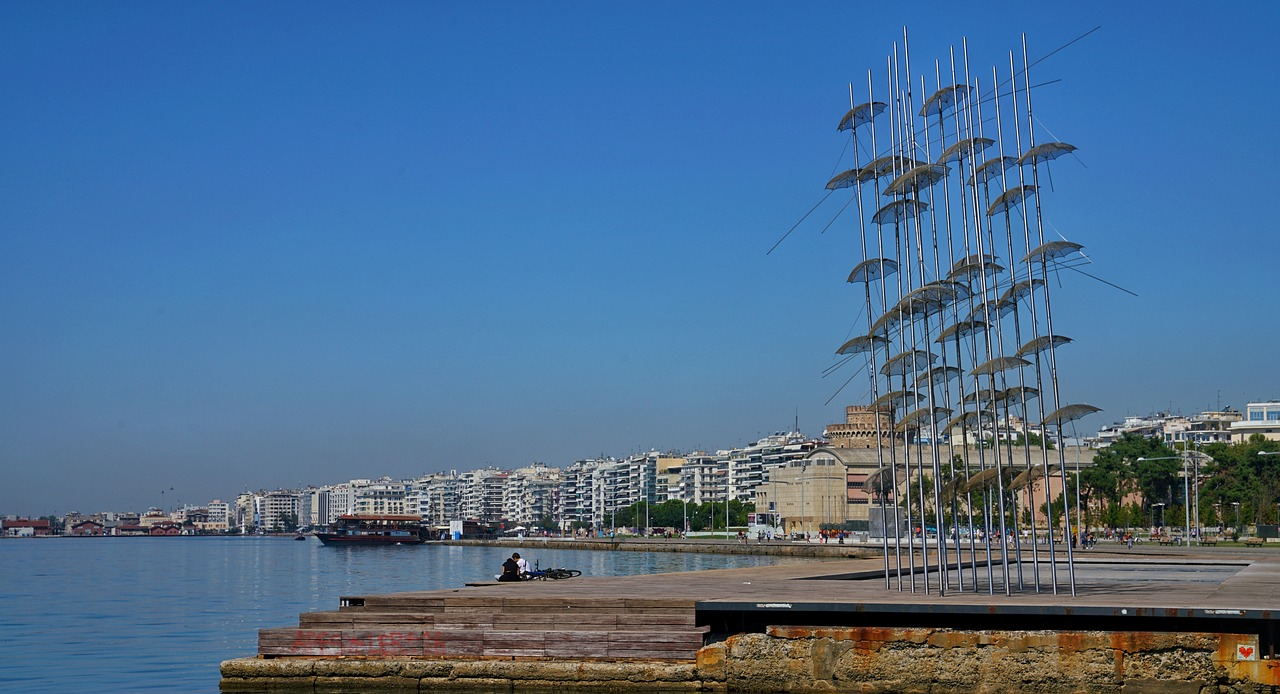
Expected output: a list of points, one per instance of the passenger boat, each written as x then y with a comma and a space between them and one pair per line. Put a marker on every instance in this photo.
360, 529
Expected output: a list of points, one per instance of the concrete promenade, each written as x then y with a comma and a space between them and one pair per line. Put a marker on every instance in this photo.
1153, 616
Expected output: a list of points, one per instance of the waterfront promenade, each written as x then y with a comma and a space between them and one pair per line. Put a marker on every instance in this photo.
822, 624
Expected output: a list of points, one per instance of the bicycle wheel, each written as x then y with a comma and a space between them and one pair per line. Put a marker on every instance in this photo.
563, 573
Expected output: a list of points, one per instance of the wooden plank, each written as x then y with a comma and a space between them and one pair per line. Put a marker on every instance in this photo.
542, 620
669, 603
298, 651
324, 619
685, 639
463, 620
360, 621
382, 643
671, 619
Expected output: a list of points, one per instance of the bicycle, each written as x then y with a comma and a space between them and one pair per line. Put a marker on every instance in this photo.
553, 574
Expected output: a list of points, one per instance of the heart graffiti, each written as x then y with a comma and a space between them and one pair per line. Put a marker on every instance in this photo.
1245, 652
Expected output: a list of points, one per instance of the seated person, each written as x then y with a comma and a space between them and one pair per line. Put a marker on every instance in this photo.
510, 569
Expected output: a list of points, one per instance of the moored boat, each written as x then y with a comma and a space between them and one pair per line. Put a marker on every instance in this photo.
370, 529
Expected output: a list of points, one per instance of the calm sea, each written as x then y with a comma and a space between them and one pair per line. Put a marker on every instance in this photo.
160, 614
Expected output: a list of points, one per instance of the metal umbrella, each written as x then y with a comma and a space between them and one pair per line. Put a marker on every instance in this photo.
1068, 413
888, 165
998, 364
873, 269
970, 271
937, 375
1010, 199
997, 308
1030, 475
917, 179
844, 179
860, 115
962, 330
968, 147
861, 344
1052, 251
916, 418
899, 211
1020, 290
896, 399
1042, 343
945, 99
989, 168
1016, 395
1045, 152
908, 362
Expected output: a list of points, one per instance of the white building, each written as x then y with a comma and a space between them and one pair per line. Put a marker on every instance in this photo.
379, 497
1259, 418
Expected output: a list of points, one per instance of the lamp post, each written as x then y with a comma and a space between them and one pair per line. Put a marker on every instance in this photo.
1238, 529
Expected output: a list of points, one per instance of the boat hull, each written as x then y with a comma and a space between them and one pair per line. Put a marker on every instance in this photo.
340, 539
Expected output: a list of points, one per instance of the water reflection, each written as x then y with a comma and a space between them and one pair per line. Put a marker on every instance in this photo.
159, 614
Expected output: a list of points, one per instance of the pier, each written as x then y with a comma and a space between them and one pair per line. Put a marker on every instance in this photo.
1156, 618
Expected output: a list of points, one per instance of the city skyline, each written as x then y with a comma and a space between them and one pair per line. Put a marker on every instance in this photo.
249, 246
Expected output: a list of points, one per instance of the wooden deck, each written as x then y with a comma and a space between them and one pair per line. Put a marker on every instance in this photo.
668, 616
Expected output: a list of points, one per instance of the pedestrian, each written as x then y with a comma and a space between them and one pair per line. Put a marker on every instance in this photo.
510, 569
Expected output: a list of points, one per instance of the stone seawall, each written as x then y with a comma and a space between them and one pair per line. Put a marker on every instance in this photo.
830, 550
807, 659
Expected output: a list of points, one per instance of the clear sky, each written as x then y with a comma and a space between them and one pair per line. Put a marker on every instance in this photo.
249, 245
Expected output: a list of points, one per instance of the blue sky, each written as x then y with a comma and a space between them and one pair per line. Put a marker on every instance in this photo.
249, 245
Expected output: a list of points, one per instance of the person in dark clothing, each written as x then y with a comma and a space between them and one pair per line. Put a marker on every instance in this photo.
510, 569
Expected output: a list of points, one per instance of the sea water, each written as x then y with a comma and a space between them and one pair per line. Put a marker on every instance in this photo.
142, 614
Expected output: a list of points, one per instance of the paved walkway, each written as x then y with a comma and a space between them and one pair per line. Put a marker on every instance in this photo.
1190, 578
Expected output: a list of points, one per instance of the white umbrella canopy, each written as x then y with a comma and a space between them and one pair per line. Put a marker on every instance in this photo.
1042, 343
899, 211
991, 168
1031, 475
917, 418
964, 149
1016, 395
860, 115
962, 330
917, 179
1010, 199
844, 179
873, 269
992, 308
975, 258
1020, 290
896, 399
998, 364
945, 99
887, 323
1069, 413
972, 271
861, 344
937, 375
1052, 251
965, 419
1045, 152
908, 362
888, 165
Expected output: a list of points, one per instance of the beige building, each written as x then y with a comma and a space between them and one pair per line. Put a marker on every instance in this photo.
859, 429
826, 487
